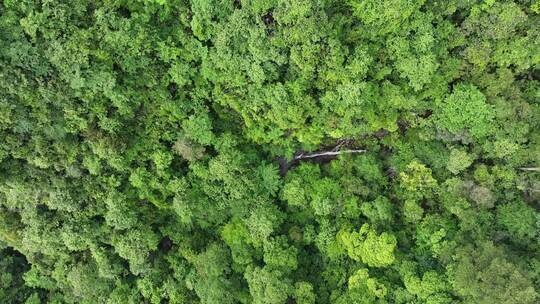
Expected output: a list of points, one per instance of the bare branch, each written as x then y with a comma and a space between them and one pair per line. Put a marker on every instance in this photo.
328, 153
285, 165
340, 143
535, 169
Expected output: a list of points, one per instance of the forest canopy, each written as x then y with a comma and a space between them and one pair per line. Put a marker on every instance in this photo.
270, 151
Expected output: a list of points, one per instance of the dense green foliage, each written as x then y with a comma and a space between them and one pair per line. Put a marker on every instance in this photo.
140, 144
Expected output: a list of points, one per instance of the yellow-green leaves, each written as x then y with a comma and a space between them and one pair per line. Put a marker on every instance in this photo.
365, 245
417, 180
361, 280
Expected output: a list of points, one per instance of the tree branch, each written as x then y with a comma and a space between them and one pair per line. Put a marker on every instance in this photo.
328, 153
325, 155
535, 169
